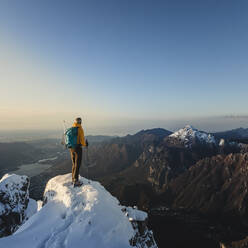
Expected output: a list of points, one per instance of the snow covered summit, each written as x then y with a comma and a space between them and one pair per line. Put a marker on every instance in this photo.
189, 135
86, 216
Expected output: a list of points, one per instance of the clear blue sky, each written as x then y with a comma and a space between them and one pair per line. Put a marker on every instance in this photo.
124, 62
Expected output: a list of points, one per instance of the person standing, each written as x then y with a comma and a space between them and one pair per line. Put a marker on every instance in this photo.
76, 152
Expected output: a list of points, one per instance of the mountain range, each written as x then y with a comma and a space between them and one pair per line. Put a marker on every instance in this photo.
190, 177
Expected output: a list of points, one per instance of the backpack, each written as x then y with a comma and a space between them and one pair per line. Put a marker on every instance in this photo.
71, 135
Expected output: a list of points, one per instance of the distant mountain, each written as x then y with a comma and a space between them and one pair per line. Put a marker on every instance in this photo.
99, 138
238, 134
144, 137
189, 136
119, 153
160, 132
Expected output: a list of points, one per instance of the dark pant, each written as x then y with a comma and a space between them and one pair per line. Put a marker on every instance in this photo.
76, 157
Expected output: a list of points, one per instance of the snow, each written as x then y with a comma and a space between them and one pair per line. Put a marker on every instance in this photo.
11, 187
135, 214
11, 178
39, 205
188, 134
31, 209
86, 216
222, 142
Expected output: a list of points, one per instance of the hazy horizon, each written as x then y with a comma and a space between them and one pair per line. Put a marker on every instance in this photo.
210, 124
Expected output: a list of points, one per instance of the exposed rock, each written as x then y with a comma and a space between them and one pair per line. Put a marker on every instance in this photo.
143, 237
236, 244
243, 147
216, 185
14, 199
164, 162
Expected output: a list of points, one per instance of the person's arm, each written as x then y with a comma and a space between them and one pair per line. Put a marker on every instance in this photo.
81, 136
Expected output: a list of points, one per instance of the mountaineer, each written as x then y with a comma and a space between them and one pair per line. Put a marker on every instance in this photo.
74, 140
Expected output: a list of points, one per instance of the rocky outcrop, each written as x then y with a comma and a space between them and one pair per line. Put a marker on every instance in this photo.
143, 237
86, 216
235, 244
14, 199
243, 147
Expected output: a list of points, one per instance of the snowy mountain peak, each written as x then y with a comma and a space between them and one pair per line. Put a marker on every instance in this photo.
86, 216
189, 135
187, 127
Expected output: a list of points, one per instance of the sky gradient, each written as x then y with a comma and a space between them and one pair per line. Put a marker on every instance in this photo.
123, 65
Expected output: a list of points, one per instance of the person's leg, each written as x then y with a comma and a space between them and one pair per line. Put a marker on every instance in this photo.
78, 162
74, 164
72, 160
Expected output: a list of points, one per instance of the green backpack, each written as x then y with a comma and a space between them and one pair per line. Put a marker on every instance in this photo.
71, 135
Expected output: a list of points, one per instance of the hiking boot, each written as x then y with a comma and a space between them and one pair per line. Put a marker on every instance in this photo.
77, 184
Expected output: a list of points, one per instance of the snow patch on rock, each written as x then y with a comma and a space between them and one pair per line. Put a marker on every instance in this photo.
222, 142
135, 214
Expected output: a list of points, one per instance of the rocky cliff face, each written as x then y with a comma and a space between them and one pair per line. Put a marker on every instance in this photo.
215, 185
14, 199
164, 162
119, 153
143, 237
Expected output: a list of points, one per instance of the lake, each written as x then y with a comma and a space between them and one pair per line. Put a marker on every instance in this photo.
31, 169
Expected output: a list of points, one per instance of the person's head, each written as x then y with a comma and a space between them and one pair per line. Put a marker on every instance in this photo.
78, 120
